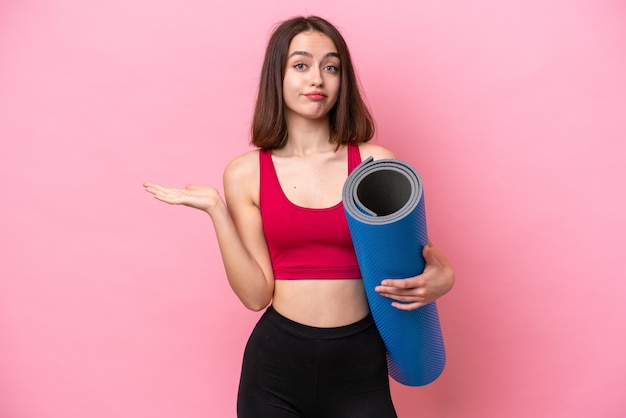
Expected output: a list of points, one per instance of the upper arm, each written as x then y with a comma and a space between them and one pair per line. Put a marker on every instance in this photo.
375, 151
241, 192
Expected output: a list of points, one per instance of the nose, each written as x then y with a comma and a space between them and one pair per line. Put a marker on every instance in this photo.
316, 76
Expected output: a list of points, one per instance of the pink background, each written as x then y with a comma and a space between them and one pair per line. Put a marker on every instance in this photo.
115, 305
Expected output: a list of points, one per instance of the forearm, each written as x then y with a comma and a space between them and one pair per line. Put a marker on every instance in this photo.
245, 276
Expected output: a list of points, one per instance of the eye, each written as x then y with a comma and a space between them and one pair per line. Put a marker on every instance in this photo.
299, 66
331, 68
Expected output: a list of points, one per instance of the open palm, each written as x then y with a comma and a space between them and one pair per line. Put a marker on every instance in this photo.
199, 197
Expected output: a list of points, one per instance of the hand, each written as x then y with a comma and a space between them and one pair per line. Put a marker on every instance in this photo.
198, 197
415, 292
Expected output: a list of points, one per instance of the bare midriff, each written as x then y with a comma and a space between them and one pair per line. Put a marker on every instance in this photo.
321, 303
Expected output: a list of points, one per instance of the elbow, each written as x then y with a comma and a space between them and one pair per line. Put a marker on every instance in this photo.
256, 304
254, 297
256, 307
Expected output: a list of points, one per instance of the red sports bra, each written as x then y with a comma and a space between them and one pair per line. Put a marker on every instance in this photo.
305, 243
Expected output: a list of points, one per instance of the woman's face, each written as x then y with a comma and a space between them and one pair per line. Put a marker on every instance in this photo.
312, 76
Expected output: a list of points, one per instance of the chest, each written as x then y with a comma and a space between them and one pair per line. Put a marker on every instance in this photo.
315, 182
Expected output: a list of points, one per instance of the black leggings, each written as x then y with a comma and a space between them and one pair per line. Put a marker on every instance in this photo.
292, 370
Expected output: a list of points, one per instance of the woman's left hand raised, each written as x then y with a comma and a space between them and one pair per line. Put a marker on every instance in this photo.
414, 292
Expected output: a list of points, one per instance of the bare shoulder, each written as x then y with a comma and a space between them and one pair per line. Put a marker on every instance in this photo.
243, 168
241, 175
372, 150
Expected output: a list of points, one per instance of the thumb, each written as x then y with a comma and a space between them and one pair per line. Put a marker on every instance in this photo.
429, 256
192, 187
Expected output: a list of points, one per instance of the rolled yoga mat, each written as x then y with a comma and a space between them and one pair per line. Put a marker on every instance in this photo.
384, 205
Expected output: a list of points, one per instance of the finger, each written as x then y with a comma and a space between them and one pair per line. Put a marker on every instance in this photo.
168, 198
407, 306
403, 298
157, 188
167, 194
192, 187
398, 283
150, 187
414, 294
390, 290
407, 283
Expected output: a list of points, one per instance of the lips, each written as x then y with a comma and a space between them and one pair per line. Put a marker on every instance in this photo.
316, 95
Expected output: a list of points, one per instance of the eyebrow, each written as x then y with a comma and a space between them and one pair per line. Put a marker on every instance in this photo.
306, 54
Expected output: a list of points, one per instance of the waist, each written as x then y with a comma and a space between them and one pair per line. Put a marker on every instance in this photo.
323, 333
321, 303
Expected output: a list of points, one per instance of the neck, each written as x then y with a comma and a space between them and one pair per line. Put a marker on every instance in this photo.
307, 136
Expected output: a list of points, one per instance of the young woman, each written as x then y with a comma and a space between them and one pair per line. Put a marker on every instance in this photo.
284, 238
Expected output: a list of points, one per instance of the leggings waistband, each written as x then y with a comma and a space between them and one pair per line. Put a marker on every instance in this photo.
317, 333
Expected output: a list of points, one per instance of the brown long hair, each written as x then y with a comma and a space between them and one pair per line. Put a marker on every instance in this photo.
350, 120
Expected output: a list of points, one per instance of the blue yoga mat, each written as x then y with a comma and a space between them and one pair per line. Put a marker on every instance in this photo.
384, 205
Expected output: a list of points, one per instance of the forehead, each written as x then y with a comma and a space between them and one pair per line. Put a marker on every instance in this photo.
312, 42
